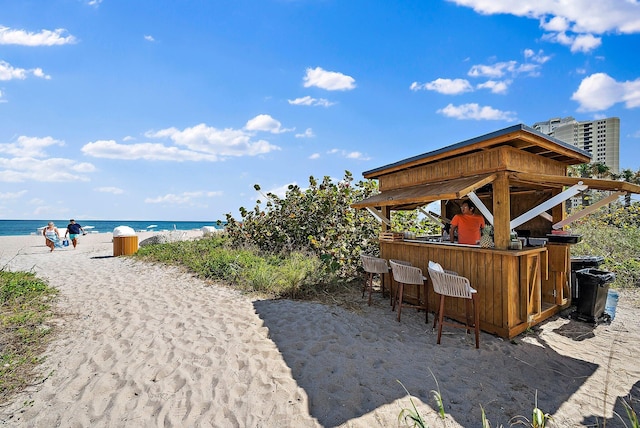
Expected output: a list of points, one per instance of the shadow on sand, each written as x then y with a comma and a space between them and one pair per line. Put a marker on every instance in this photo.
349, 364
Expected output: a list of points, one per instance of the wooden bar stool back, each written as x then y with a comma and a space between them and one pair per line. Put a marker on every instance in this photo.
406, 275
394, 289
372, 266
449, 284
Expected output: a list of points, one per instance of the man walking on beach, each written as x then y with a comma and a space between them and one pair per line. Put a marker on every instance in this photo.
73, 230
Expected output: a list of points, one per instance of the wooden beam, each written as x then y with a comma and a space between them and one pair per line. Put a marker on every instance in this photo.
379, 216
559, 181
588, 210
558, 199
501, 212
433, 217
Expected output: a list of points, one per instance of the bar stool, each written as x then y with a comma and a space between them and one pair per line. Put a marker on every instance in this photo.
405, 275
373, 265
394, 290
449, 284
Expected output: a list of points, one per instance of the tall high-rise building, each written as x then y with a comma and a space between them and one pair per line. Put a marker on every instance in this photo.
601, 138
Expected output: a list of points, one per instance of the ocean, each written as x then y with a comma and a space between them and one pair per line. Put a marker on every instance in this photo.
30, 227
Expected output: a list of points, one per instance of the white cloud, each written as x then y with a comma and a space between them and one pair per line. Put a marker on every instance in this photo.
21, 169
497, 87
356, 155
264, 122
585, 43
109, 149
149, 38
476, 112
43, 38
8, 72
310, 101
348, 155
308, 133
580, 17
109, 189
315, 156
600, 91
329, 80
94, 3
198, 143
30, 146
538, 57
12, 195
494, 70
556, 24
581, 43
190, 198
444, 86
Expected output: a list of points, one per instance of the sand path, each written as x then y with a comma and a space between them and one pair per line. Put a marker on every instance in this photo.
150, 346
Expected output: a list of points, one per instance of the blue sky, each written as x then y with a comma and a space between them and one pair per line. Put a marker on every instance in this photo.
173, 110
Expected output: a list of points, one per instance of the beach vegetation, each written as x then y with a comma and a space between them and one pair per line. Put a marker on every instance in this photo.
612, 232
319, 220
25, 307
293, 275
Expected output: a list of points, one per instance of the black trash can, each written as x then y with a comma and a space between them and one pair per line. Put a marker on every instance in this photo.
578, 263
593, 287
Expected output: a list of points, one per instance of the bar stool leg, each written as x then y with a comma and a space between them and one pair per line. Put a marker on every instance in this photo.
426, 303
399, 294
476, 316
467, 307
440, 317
395, 296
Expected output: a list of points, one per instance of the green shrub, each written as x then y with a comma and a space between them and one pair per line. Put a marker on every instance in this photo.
613, 232
25, 306
281, 275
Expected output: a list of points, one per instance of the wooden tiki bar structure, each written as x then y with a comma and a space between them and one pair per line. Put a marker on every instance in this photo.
517, 179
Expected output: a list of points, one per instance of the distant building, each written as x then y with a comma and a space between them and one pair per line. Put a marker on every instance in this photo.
601, 138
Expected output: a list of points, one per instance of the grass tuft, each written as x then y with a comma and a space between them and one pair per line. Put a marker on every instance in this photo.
25, 307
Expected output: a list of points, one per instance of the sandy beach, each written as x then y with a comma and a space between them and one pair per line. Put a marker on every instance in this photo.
142, 345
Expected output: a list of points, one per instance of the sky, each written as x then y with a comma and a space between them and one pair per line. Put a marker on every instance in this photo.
173, 110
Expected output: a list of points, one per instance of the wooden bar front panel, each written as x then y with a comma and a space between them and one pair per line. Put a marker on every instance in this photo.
505, 281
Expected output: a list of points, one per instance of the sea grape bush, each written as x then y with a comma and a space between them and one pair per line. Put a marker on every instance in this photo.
317, 219
614, 233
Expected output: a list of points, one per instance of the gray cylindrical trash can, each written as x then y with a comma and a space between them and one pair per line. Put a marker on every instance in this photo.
593, 287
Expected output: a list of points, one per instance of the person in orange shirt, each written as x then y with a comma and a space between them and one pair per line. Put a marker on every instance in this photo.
468, 224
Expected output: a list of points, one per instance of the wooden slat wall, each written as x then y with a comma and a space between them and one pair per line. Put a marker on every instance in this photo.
498, 159
497, 275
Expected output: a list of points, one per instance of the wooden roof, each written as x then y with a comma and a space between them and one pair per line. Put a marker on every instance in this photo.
408, 198
518, 136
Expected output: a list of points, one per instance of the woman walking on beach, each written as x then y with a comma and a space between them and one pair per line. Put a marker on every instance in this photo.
51, 235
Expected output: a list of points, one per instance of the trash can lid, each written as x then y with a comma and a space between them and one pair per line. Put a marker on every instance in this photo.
587, 259
595, 276
123, 231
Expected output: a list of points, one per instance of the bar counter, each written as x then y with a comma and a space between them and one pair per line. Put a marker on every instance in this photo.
516, 288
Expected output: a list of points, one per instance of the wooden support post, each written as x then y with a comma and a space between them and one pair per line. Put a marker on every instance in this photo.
558, 212
501, 212
386, 212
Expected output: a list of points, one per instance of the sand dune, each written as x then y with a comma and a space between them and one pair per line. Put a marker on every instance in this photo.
146, 345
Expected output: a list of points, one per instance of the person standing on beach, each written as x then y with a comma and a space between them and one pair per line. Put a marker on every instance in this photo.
51, 235
73, 230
